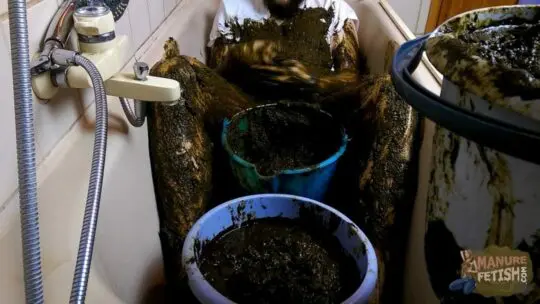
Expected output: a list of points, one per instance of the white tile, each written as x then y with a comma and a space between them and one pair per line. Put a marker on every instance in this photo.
50, 124
87, 96
53, 120
123, 27
422, 16
140, 21
39, 16
4, 6
8, 153
156, 12
168, 6
408, 11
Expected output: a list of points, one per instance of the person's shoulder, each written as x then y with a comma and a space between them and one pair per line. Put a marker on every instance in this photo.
326, 3
234, 5
241, 9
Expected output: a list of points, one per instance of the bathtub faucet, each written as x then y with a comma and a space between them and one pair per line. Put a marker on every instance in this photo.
97, 41
96, 64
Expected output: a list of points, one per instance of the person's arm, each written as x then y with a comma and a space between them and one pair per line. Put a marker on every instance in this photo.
348, 63
225, 51
258, 56
225, 54
345, 47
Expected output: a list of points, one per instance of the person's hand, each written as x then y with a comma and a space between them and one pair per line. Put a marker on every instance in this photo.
286, 72
257, 52
226, 55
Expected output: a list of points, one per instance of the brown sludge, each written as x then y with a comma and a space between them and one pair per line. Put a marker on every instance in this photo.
284, 137
492, 59
301, 38
180, 148
382, 149
312, 268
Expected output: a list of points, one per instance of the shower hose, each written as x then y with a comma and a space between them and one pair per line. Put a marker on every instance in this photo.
91, 211
26, 160
136, 116
25, 135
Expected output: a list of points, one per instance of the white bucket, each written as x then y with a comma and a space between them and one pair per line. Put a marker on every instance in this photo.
484, 185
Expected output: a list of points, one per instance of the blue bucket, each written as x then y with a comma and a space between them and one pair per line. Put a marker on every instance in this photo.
311, 182
236, 212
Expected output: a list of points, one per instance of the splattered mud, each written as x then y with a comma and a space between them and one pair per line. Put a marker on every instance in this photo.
284, 137
301, 38
514, 46
279, 260
455, 159
492, 59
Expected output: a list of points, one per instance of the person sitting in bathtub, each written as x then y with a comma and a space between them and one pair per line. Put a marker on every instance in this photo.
318, 60
292, 56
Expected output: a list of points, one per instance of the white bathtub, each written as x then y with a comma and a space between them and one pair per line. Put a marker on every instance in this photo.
127, 265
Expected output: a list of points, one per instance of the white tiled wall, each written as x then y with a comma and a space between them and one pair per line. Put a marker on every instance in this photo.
53, 120
413, 12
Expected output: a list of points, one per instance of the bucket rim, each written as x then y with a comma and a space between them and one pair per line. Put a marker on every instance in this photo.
190, 265
326, 162
437, 30
508, 136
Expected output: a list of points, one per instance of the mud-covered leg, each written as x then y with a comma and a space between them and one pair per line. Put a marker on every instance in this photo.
223, 98
181, 161
181, 149
388, 179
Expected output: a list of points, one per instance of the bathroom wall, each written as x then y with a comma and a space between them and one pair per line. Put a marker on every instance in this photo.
413, 12
55, 119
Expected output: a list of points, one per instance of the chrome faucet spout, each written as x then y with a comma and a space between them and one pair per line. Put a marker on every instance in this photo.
62, 23
56, 37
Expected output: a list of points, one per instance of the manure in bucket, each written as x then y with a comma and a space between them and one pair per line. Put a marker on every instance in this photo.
491, 58
514, 46
277, 260
284, 137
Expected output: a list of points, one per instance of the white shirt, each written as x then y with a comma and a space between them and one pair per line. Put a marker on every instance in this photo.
257, 11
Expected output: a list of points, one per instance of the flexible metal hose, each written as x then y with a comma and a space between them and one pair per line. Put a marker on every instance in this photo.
91, 212
24, 120
135, 117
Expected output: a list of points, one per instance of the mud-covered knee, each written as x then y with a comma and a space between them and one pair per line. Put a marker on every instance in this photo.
171, 49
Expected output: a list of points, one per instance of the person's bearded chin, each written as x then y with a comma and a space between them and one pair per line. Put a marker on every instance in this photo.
283, 9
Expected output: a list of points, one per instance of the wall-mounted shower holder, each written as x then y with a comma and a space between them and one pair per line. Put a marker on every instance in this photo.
95, 30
